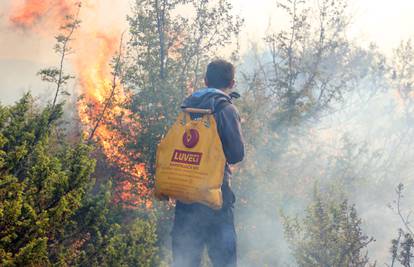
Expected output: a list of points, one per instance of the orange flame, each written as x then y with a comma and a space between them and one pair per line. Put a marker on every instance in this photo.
34, 11
94, 50
117, 127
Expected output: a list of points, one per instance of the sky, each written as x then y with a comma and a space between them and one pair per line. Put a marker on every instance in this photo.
384, 22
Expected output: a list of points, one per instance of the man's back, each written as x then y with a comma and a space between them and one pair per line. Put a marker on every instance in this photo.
227, 119
197, 225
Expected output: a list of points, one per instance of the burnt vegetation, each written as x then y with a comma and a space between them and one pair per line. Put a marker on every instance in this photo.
328, 127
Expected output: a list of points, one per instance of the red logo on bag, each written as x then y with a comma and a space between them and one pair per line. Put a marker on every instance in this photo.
191, 140
193, 158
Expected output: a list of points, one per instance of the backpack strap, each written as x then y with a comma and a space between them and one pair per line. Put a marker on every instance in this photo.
192, 113
224, 102
197, 110
221, 105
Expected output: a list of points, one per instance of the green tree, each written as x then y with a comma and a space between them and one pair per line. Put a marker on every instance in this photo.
306, 71
402, 246
48, 213
165, 60
330, 234
311, 61
107, 235
42, 182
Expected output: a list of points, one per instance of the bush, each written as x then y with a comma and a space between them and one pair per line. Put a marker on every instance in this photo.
329, 235
48, 214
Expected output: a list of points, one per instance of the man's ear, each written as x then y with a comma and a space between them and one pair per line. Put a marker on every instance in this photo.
206, 81
232, 83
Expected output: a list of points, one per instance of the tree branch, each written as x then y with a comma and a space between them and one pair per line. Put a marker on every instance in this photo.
108, 101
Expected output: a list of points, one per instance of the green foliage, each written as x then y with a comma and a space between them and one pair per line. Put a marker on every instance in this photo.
41, 188
48, 215
330, 234
111, 236
402, 247
406, 253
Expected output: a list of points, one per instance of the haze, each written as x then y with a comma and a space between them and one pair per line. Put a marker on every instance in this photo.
22, 54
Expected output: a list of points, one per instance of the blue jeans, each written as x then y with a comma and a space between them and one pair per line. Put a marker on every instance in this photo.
196, 226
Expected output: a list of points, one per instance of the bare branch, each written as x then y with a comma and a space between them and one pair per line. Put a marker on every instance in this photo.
65, 49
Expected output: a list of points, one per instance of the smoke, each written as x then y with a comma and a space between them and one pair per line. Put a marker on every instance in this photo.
364, 144
28, 28
361, 148
22, 54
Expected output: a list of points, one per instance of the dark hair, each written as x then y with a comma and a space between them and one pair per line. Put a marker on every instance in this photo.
219, 74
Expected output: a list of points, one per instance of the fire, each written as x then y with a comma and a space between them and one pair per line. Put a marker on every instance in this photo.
100, 111
117, 127
34, 11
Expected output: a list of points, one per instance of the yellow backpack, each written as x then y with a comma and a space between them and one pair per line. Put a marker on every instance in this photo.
190, 161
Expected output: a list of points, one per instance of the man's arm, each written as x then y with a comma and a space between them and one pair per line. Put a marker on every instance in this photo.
229, 129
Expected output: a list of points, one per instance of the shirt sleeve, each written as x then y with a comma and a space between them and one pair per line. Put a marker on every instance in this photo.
229, 129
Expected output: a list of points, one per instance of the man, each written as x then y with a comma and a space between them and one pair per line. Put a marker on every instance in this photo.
196, 225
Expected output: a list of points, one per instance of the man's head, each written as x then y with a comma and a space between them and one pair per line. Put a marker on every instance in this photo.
220, 75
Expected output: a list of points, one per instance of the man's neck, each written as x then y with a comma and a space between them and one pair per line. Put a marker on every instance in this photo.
227, 91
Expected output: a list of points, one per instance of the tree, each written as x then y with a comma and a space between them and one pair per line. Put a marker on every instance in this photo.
403, 75
301, 75
37, 202
164, 61
304, 70
310, 61
56, 75
50, 211
402, 247
104, 234
48, 214
329, 235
